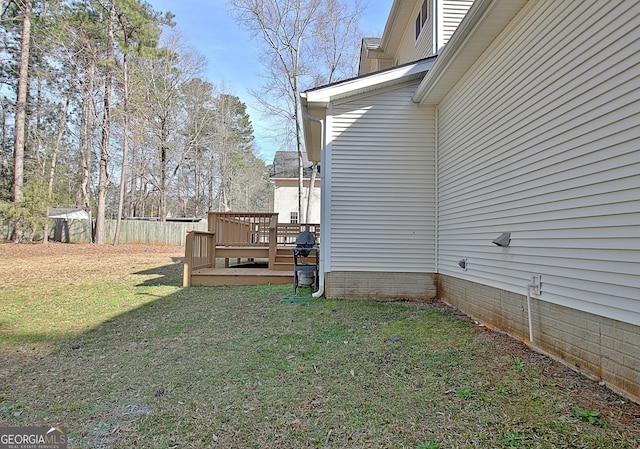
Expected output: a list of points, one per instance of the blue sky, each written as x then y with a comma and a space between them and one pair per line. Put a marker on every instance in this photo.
208, 27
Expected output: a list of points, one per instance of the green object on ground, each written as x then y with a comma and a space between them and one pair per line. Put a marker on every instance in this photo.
297, 298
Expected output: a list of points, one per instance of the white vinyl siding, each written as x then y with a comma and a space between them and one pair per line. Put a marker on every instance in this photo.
443, 18
453, 11
285, 199
382, 197
411, 49
542, 139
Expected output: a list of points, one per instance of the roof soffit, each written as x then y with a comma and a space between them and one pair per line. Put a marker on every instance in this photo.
322, 96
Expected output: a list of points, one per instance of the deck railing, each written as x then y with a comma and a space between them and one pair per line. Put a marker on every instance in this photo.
288, 232
241, 230
199, 252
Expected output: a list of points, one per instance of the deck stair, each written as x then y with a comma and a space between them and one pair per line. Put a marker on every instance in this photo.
284, 259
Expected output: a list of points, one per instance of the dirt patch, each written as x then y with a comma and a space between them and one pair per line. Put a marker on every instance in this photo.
28, 264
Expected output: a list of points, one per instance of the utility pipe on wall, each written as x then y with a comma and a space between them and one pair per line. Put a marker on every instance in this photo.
314, 118
529, 287
534, 286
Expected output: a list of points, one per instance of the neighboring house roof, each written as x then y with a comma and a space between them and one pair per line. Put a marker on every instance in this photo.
315, 101
285, 166
68, 213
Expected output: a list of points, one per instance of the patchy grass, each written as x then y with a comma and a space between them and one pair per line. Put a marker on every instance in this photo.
122, 356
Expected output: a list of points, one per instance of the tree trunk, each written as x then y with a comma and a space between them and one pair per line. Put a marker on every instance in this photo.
103, 178
164, 137
125, 148
83, 199
133, 203
196, 182
40, 162
21, 106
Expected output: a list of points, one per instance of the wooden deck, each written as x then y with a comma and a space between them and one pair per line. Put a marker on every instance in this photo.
212, 257
240, 276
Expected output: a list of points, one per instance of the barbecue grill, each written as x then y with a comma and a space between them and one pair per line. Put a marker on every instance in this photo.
305, 267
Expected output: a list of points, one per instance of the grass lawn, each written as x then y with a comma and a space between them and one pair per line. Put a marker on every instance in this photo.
105, 342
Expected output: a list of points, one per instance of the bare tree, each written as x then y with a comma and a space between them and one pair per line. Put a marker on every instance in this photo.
164, 77
138, 35
293, 31
337, 40
233, 148
285, 26
54, 161
198, 100
85, 42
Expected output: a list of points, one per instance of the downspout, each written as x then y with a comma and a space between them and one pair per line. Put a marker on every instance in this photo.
437, 191
313, 118
435, 23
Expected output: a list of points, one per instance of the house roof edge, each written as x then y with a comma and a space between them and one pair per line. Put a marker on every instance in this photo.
484, 21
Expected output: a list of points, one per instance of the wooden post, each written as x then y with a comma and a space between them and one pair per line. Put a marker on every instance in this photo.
212, 249
273, 241
188, 262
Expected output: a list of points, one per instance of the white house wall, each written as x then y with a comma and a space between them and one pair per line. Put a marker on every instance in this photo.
382, 197
285, 200
412, 49
444, 16
542, 139
451, 13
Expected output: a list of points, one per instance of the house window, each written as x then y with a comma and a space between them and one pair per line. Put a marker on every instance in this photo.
294, 217
424, 12
421, 19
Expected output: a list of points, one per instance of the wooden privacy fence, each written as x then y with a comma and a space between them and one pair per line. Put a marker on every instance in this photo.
153, 232
229, 226
131, 231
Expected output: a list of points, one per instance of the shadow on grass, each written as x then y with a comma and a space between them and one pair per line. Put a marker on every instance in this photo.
170, 274
26, 342
37, 321
215, 367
